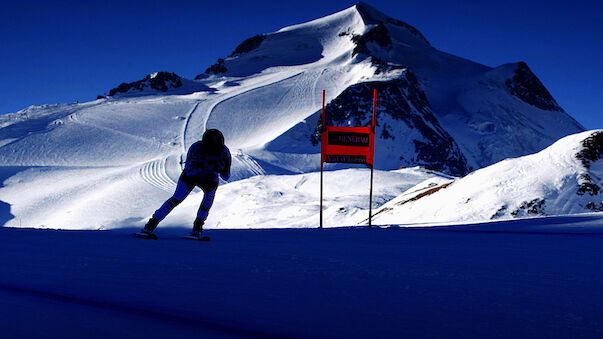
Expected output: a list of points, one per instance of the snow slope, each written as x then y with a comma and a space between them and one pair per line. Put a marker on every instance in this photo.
292, 201
272, 201
565, 178
307, 283
112, 161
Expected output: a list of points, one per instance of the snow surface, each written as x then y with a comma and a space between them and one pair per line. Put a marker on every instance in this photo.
543, 282
552, 176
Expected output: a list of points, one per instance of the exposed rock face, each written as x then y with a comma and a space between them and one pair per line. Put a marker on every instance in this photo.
378, 35
408, 132
593, 149
527, 87
373, 16
533, 207
245, 47
249, 45
592, 152
587, 186
217, 68
160, 81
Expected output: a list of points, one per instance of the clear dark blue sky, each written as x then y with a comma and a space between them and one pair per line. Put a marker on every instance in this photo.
63, 51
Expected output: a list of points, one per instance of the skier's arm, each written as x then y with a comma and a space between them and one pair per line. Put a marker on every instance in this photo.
191, 156
226, 158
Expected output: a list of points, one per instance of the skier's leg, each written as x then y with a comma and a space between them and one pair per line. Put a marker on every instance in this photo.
209, 193
208, 201
183, 188
182, 191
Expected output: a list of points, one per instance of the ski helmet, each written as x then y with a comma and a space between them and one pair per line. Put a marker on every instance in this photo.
213, 140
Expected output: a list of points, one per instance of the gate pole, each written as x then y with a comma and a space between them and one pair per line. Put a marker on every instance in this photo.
371, 199
373, 126
323, 127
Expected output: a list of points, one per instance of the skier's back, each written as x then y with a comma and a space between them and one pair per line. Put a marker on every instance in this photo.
205, 161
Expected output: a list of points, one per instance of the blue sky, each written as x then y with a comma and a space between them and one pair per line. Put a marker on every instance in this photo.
60, 52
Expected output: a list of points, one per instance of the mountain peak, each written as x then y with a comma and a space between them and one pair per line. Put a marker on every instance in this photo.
372, 16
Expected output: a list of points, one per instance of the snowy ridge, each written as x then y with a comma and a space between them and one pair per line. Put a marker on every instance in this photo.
555, 181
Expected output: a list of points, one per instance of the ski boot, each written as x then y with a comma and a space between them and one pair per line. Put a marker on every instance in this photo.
147, 231
197, 229
150, 226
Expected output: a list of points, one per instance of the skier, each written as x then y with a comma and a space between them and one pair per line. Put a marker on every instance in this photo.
204, 161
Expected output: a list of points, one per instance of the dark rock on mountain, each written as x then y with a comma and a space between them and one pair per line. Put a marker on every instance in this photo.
217, 68
160, 81
249, 45
245, 47
385, 67
586, 185
593, 149
372, 16
378, 35
533, 207
527, 87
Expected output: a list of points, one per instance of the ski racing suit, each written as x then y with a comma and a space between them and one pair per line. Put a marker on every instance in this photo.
202, 169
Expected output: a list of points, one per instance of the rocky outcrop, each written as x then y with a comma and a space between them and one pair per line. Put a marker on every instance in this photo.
593, 149
160, 81
372, 16
217, 68
591, 152
249, 45
528, 88
378, 35
245, 47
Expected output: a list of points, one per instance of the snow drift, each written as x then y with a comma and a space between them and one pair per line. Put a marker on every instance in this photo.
565, 178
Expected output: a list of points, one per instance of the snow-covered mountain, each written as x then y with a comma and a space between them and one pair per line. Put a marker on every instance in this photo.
442, 104
112, 161
565, 178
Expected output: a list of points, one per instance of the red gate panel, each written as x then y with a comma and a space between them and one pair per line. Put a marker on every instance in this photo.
348, 145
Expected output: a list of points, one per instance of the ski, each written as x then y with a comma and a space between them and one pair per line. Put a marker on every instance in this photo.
145, 236
190, 237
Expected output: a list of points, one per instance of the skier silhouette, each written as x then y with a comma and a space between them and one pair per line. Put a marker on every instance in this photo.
205, 160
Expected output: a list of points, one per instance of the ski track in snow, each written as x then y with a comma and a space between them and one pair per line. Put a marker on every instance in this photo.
154, 173
249, 163
231, 96
74, 119
185, 128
